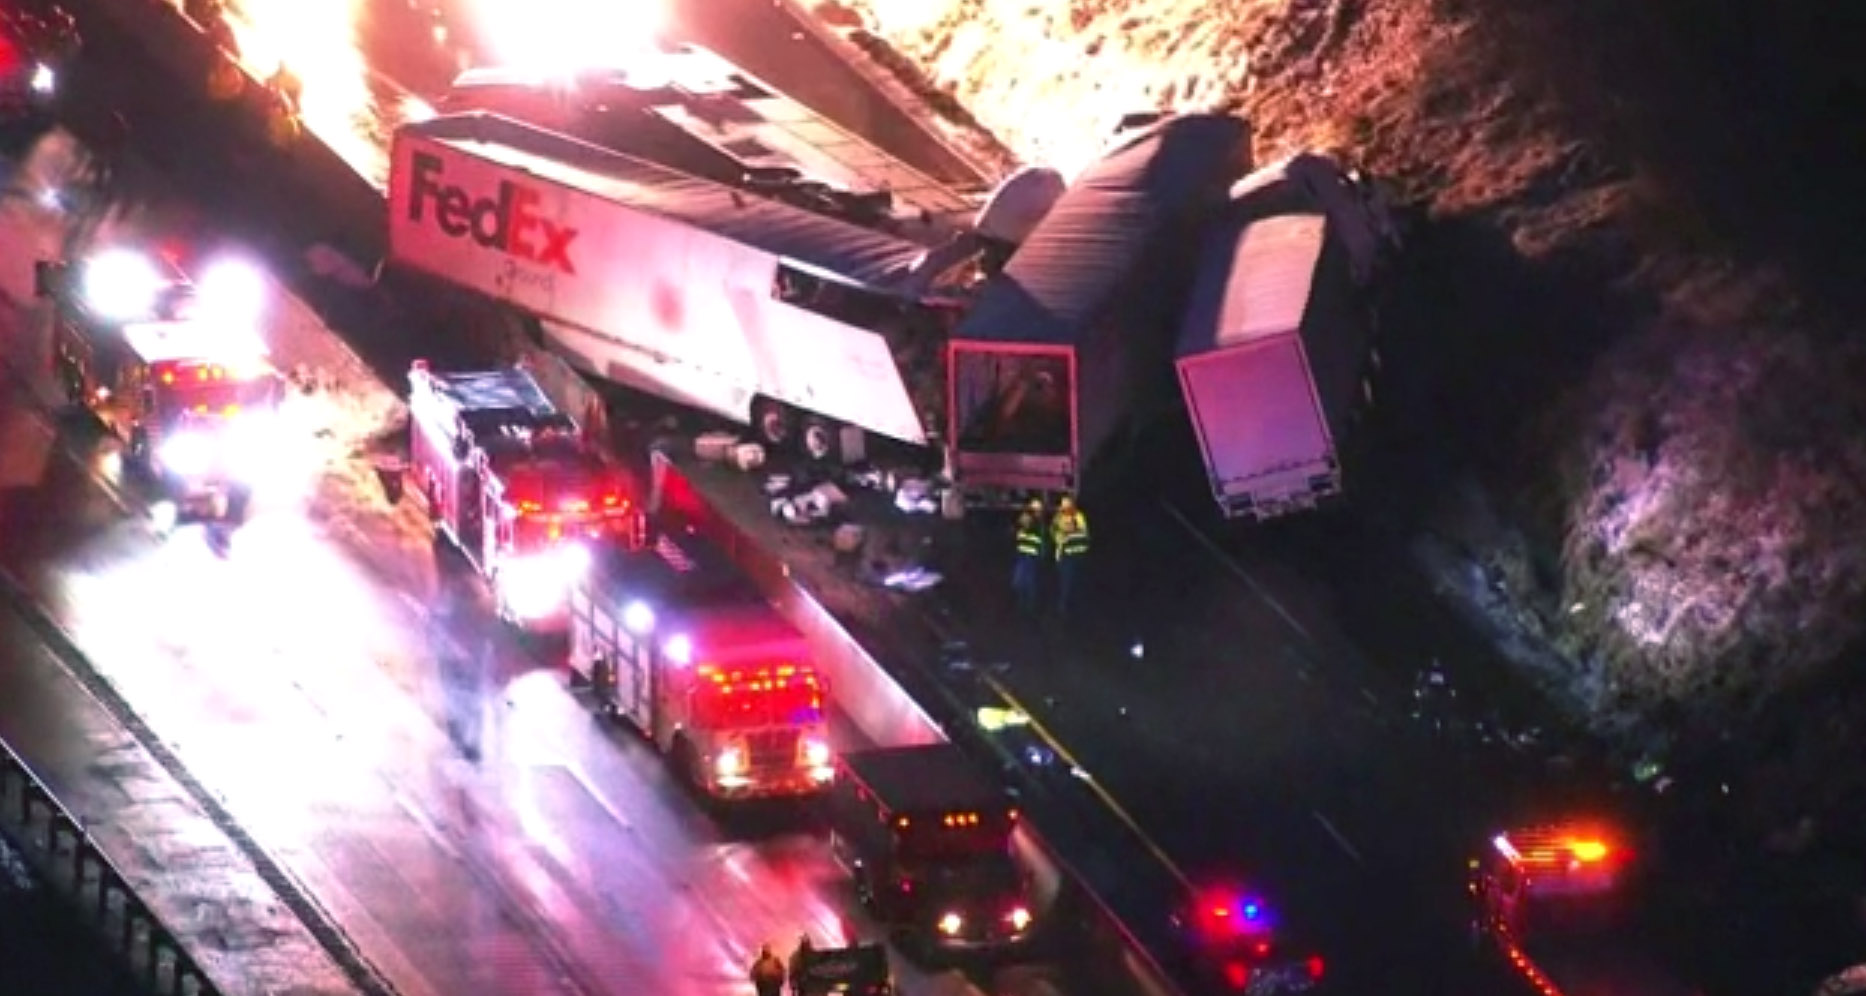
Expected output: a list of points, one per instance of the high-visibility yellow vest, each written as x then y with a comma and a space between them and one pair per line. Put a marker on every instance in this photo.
1070, 531
1029, 543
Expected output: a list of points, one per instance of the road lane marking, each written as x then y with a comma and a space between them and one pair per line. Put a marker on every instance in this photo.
428, 826
1340, 840
1237, 570
1036, 726
576, 774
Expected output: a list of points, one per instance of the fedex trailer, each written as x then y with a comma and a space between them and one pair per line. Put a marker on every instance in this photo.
737, 305
1047, 367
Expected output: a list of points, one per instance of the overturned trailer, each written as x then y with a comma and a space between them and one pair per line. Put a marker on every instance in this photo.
1275, 350
1047, 366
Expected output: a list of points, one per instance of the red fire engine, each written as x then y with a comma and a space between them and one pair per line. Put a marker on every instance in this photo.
515, 484
1556, 903
674, 640
177, 370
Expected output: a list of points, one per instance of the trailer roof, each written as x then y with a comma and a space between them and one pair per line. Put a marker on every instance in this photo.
927, 778
683, 570
1115, 214
833, 247
1255, 280
492, 390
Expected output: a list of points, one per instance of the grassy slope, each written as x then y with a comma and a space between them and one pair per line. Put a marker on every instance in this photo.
1618, 313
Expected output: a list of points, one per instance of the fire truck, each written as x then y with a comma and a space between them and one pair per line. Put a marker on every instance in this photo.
672, 639
928, 840
178, 371
1557, 905
515, 484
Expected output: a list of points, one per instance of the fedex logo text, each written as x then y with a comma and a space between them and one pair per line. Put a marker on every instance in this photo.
507, 222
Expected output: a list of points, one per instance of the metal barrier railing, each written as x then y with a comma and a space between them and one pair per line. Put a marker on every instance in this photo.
66, 859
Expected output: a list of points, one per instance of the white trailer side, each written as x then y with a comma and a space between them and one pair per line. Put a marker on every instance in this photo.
682, 288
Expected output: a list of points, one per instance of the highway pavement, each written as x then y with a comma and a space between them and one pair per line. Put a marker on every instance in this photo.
1249, 741
290, 675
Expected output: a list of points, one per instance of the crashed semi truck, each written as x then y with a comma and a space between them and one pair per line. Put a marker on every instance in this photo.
818, 325
1275, 354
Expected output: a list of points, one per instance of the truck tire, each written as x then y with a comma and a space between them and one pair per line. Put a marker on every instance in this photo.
819, 440
692, 776
773, 423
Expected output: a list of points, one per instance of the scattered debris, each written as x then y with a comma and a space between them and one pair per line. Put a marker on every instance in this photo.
746, 456
849, 538
714, 447
815, 505
917, 496
912, 579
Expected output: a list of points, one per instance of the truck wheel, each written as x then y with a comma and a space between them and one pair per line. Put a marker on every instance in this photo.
687, 766
820, 441
773, 423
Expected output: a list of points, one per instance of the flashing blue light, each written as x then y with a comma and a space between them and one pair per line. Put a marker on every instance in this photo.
1252, 911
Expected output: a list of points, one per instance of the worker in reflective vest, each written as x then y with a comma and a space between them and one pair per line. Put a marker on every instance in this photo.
1027, 563
1069, 535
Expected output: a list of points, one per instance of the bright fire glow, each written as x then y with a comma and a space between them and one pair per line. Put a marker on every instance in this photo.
1051, 78
551, 37
318, 42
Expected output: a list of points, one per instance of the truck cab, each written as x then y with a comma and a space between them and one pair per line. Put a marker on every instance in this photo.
180, 373
1556, 904
671, 639
927, 840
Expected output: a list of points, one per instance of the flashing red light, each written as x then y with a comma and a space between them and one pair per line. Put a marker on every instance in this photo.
1317, 968
1237, 975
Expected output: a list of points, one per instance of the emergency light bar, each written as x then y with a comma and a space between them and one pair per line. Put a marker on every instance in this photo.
122, 284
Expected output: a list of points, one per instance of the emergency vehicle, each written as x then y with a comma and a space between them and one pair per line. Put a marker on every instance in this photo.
855, 970
1557, 904
927, 839
36, 39
178, 371
515, 485
672, 639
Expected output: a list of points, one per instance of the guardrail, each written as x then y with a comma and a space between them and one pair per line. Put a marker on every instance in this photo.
65, 857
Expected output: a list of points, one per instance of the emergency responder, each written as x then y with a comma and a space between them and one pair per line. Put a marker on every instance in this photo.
1069, 537
767, 973
1027, 561
799, 963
